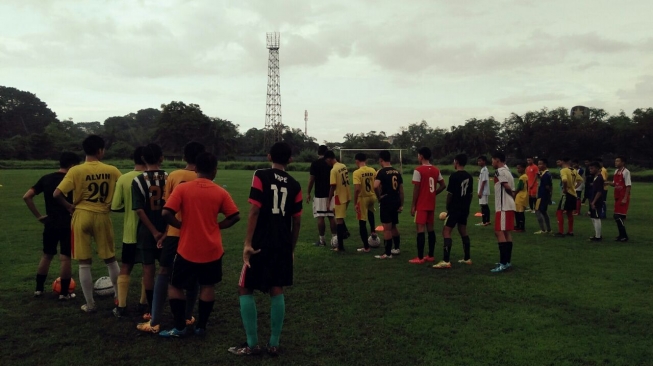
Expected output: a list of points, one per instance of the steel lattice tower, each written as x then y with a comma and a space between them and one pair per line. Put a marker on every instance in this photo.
273, 125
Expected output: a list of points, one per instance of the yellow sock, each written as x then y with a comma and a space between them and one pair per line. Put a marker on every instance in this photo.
143, 295
123, 289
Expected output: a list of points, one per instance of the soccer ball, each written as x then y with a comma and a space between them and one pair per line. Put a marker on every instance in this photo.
443, 216
334, 241
56, 286
103, 286
374, 241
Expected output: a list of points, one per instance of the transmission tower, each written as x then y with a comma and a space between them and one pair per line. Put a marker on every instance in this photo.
273, 125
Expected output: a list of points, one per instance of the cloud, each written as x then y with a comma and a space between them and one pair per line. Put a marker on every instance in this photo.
525, 98
642, 91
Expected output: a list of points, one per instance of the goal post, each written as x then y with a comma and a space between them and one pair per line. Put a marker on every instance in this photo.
401, 160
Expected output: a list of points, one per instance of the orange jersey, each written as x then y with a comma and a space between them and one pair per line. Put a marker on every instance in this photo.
532, 172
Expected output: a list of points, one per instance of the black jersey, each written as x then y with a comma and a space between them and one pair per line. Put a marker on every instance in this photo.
279, 198
322, 173
461, 185
58, 216
391, 180
148, 192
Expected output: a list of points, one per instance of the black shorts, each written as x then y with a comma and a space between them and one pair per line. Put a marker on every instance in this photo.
53, 235
169, 251
187, 274
389, 214
146, 245
457, 218
596, 213
131, 254
567, 202
267, 272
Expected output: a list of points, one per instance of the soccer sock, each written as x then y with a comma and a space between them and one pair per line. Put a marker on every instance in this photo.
388, 247
420, 245
149, 294
467, 247
178, 307
547, 221
248, 313
620, 226
344, 224
362, 229
561, 221
578, 205
485, 210
191, 297
431, 243
114, 271
502, 253
519, 217
597, 227
370, 218
204, 308
143, 299
123, 289
159, 295
540, 220
277, 314
446, 252
531, 202
397, 241
508, 252
340, 229
40, 281
65, 286
570, 222
86, 281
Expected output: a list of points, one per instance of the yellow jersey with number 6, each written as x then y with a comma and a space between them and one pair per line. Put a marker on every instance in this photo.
365, 177
93, 184
340, 179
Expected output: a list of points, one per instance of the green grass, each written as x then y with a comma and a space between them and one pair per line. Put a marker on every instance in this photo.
566, 301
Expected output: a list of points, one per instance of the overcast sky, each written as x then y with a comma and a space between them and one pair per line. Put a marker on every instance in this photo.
355, 66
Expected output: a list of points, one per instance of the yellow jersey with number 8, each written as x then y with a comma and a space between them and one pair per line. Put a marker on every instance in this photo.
365, 177
93, 184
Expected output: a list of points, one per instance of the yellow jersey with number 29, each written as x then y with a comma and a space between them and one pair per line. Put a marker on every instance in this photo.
93, 184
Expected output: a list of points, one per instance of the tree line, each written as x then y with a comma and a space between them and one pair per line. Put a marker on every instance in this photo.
29, 129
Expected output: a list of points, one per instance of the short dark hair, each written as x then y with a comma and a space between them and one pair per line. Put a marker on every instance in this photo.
425, 152
191, 150
482, 157
322, 149
360, 157
385, 155
596, 164
280, 153
92, 145
544, 161
461, 159
565, 159
522, 164
138, 156
621, 157
329, 154
152, 153
499, 155
206, 163
68, 159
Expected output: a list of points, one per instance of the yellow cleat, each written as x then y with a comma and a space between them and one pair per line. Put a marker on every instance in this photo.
442, 264
147, 327
467, 262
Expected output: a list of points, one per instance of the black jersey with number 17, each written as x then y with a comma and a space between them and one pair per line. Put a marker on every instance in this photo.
279, 198
148, 192
391, 180
461, 185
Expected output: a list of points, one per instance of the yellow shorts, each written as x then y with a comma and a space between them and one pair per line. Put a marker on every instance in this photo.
364, 204
341, 211
86, 225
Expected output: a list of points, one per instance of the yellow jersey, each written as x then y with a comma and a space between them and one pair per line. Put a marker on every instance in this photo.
174, 179
340, 179
93, 185
522, 190
364, 176
122, 199
571, 177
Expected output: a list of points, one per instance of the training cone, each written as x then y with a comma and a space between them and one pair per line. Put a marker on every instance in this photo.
379, 228
478, 214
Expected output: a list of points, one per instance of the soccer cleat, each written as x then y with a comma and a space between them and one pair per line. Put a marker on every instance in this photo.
320, 243
499, 268
541, 232
442, 265
89, 309
363, 250
119, 312
148, 328
519, 230
417, 260
395, 251
66, 297
559, 235
190, 322
38, 293
172, 333
623, 240
383, 256
200, 332
569, 234
147, 316
594, 238
273, 351
429, 259
245, 350
467, 262
480, 224
338, 250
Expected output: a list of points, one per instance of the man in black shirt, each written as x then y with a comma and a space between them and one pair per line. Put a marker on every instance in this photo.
320, 177
389, 189
596, 200
459, 198
56, 223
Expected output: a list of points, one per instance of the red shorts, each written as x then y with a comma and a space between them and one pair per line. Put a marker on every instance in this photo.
621, 208
424, 217
504, 221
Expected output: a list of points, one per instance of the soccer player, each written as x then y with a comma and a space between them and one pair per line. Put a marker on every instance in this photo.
604, 196
532, 172
595, 201
169, 243
320, 175
544, 194
56, 225
459, 198
422, 208
504, 204
272, 230
122, 202
587, 195
522, 194
364, 198
622, 184
93, 184
200, 250
339, 196
579, 190
484, 191
570, 181
389, 188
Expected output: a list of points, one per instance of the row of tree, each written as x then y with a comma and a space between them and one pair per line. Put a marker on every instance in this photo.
30, 130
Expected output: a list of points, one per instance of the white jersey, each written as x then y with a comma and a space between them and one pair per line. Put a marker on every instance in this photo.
502, 200
484, 177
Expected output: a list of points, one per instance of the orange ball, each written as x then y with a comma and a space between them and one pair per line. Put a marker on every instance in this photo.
56, 286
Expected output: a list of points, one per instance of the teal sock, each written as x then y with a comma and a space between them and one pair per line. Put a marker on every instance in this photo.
277, 313
248, 313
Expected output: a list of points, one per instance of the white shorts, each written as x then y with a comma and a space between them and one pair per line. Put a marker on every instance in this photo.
483, 200
320, 207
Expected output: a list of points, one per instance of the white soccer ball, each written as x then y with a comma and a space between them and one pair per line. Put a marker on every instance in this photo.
334, 241
103, 286
374, 241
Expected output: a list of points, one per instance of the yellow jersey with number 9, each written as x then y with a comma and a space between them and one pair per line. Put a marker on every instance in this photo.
365, 177
93, 184
340, 179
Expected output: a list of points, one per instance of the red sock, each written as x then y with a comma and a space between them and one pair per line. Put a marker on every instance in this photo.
577, 207
570, 217
561, 221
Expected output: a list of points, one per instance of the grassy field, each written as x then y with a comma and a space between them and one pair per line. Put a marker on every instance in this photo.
565, 302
